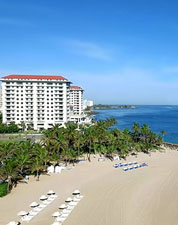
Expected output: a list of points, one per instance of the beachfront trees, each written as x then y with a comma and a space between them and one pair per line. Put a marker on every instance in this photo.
65, 145
9, 173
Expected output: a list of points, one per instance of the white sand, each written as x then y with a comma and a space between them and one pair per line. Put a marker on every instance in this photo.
145, 196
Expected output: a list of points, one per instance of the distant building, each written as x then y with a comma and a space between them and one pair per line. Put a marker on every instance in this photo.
87, 103
76, 100
35, 99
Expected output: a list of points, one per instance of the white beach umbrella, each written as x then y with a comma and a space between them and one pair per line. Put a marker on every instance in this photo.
76, 192
56, 214
68, 199
63, 206
56, 223
13, 223
51, 192
43, 197
22, 213
34, 204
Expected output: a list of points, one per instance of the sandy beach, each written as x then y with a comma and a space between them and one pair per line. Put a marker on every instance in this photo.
143, 196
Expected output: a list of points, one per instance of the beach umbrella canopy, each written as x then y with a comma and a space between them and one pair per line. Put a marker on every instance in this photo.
51, 192
55, 214
22, 213
43, 197
76, 192
13, 223
63, 206
56, 223
34, 204
68, 199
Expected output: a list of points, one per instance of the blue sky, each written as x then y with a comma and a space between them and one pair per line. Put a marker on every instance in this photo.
120, 52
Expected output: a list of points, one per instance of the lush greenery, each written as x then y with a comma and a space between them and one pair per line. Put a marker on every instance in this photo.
3, 189
67, 145
11, 128
100, 106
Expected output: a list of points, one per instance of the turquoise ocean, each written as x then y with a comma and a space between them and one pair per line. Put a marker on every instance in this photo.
157, 117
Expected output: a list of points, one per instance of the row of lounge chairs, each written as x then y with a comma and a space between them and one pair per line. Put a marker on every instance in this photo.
131, 165
135, 166
36, 208
125, 164
66, 209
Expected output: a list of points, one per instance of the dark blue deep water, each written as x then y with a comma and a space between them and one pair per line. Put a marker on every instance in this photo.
157, 117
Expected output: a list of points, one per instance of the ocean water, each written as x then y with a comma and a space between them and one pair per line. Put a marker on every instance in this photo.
157, 117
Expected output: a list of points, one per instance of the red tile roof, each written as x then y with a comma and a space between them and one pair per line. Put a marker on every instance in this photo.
46, 77
75, 87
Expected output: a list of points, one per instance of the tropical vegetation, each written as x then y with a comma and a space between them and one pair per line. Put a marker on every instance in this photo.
21, 158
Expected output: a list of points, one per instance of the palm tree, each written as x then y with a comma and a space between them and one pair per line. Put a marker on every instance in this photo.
39, 159
22, 125
163, 133
9, 173
136, 131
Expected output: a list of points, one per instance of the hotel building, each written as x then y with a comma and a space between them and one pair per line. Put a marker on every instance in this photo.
35, 99
76, 100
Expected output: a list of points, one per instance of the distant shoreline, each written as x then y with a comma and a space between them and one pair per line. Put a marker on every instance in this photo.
101, 107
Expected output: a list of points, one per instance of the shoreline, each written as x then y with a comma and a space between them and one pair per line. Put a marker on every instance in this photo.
112, 196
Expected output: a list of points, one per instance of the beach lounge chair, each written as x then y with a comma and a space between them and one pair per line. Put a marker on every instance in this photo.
76, 199
64, 215
130, 163
79, 196
135, 162
101, 159
56, 223
121, 164
73, 203
116, 165
130, 168
26, 218
70, 207
125, 169
60, 219
33, 213
144, 164
56, 214
37, 209
68, 211
136, 166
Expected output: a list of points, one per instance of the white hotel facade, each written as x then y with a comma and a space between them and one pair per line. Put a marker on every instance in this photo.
76, 99
36, 99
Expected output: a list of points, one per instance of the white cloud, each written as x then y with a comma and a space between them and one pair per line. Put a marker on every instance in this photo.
88, 49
